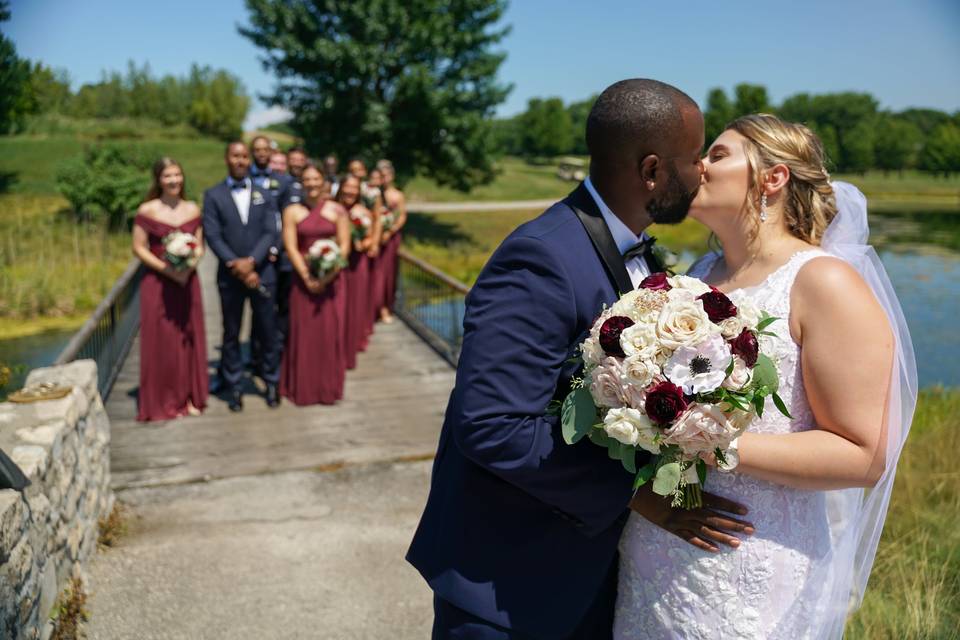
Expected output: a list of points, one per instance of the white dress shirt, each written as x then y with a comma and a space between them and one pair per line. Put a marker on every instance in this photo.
241, 198
624, 238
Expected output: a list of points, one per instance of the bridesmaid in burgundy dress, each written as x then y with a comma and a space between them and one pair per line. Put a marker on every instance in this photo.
173, 347
396, 203
314, 358
360, 307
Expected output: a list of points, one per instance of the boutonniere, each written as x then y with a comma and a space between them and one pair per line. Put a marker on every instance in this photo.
273, 184
258, 198
666, 257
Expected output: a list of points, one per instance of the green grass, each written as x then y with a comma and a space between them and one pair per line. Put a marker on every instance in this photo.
517, 180
914, 591
51, 266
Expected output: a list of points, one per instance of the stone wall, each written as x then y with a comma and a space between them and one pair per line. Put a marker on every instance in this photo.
47, 532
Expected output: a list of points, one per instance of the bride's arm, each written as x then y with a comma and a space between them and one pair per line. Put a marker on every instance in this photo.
847, 360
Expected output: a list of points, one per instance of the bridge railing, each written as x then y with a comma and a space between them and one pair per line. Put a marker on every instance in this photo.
432, 304
107, 334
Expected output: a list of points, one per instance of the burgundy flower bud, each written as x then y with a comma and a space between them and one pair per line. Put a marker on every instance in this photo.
745, 345
657, 282
718, 306
610, 335
665, 402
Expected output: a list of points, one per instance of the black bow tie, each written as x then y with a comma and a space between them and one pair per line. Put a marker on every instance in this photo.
641, 249
238, 184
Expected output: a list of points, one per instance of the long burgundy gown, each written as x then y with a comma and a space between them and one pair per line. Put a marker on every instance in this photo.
391, 268
356, 330
314, 357
173, 345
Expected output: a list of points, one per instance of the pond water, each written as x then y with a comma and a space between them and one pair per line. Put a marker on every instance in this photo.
921, 252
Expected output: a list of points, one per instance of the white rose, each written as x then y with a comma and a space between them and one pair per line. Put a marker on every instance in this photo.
606, 384
640, 340
700, 430
626, 305
695, 286
739, 377
631, 427
640, 371
747, 312
683, 323
590, 348
731, 327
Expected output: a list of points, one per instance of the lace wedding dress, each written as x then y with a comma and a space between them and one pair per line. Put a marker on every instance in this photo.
671, 589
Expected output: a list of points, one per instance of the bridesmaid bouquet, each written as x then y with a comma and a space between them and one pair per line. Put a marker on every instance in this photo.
181, 250
323, 257
673, 368
359, 225
388, 219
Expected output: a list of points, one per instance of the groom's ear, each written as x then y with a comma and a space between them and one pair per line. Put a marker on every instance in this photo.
651, 170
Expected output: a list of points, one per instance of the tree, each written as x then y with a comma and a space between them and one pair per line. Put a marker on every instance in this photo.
718, 115
547, 128
897, 143
413, 81
941, 153
579, 112
14, 73
857, 147
218, 102
750, 98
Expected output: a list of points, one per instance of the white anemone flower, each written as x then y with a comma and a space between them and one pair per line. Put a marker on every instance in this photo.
700, 368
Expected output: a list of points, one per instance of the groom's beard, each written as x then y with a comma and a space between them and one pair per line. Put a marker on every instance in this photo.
672, 207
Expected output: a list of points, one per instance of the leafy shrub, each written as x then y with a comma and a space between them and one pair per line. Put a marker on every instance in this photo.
108, 181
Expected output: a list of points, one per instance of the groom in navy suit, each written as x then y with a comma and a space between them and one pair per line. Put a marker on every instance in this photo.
519, 535
240, 225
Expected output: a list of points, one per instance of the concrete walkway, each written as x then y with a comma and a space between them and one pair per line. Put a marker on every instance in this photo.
286, 523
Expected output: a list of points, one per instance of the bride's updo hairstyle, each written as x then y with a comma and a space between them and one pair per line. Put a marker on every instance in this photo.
809, 204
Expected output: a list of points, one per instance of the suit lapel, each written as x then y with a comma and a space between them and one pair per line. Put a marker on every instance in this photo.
585, 207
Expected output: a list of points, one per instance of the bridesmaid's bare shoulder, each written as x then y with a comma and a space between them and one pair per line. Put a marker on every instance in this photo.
148, 209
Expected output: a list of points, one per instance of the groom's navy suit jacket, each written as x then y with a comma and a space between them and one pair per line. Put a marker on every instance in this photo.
521, 529
230, 239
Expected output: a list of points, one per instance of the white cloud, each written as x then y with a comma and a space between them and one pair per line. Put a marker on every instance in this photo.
266, 117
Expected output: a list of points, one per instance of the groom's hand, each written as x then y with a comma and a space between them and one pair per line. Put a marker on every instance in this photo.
704, 527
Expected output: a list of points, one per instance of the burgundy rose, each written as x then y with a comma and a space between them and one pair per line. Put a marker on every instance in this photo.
745, 345
665, 402
610, 335
718, 306
657, 282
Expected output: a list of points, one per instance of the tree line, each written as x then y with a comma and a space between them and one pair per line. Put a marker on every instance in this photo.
857, 134
212, 101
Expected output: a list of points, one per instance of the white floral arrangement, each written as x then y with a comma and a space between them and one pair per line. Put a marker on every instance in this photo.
324, 256
181, 250
673, 368
388, 219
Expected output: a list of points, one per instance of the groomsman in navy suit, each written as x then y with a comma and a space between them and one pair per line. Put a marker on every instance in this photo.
284, 190
240, 225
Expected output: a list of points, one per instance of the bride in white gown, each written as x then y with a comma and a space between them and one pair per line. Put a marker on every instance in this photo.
818, 484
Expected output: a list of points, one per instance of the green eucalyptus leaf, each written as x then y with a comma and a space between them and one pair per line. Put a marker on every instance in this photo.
766, 322
599, 437
577, 415
667, 479
613, 449
765, 375
628, 457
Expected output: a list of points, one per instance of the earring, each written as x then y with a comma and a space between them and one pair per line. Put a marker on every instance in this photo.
763, 208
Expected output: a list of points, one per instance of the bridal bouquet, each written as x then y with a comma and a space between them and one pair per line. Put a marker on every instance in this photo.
181, 250
673, 368
359, 225
323, 257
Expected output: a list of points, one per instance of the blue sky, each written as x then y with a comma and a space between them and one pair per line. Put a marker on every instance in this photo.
906, 52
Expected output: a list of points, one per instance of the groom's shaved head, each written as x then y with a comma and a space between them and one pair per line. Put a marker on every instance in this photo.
634, 118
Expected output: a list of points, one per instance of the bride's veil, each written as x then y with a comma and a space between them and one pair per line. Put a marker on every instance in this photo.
856, 515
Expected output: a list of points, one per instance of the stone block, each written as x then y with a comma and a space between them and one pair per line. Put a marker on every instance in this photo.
32, 460
19, 566
39, 509
48, 588
13, 517
81, 374
49, 436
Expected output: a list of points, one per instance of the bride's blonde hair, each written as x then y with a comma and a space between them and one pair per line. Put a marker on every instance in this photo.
809, 203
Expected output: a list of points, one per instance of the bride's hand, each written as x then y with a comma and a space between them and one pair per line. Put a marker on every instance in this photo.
701, 527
